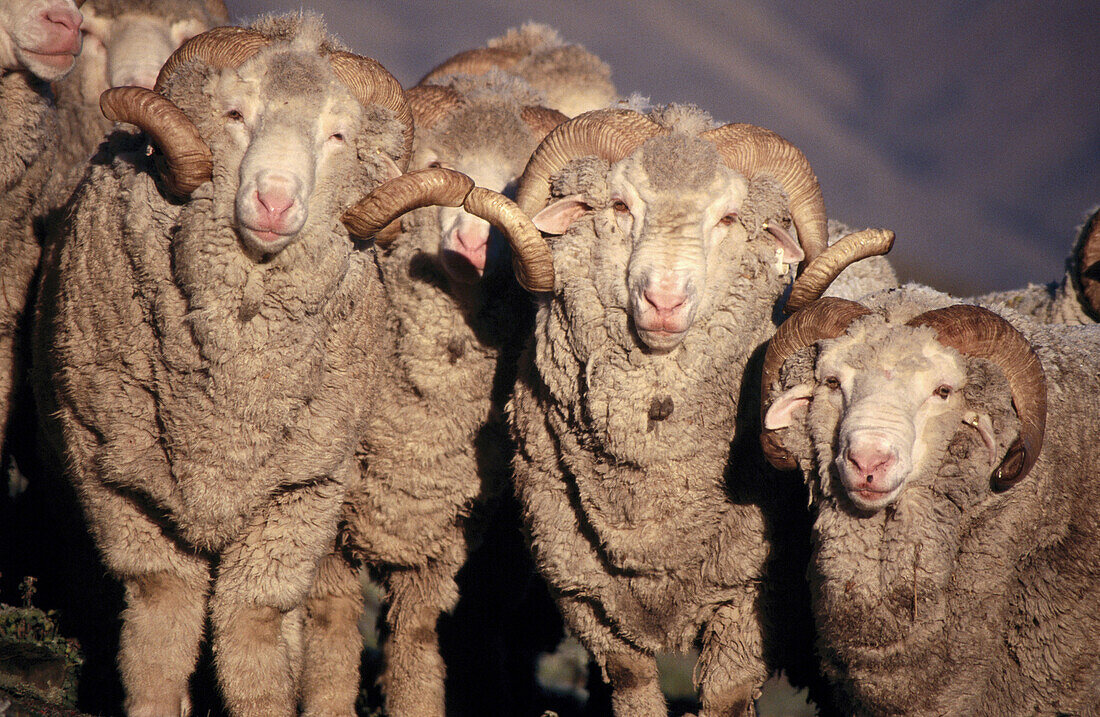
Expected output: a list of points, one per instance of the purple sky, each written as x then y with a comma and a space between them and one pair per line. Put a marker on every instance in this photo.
971, 129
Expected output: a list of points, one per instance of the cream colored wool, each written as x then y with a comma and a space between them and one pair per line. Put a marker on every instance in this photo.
656, 534
212, 446
28, 149
958, 599
436, 454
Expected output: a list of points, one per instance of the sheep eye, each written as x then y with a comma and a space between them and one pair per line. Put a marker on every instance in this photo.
832, 383
620, 207
943, 392
337, 136
435, 165
234, 115
728, 220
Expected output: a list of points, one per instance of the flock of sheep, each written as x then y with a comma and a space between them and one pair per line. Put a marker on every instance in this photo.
273, 340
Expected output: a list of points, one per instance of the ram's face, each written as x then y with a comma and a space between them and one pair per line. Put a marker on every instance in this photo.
894, 399
42, 36
491, 145
290, 126
674, 218
129, 49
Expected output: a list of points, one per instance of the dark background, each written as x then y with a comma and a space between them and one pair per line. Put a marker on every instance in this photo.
971, 129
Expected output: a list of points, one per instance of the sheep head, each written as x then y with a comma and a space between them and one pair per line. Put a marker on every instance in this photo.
485, 127
127, 41
571, 79
40, 36
678, 196
887, 399
290, 123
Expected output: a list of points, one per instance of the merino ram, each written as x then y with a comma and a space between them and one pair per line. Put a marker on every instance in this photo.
206, 345
653, 533
39, 40
572, 79
954, 564
435, 458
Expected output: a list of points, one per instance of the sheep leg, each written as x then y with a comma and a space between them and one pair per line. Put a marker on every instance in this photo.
257, 606
165, 613
632, 674
731, 663
330, 676
413, 677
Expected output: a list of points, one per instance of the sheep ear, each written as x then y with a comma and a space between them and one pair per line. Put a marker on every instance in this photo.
981, 423
557, 216
790, 251
781, 413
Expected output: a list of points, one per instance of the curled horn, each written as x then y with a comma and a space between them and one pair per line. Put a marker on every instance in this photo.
531, 259
978, 332
754, 151
825, 319
1088, 263
221, 47
187, 161
427, 187
473, 62
372, 84
541, 120
431, 103
823, 270
422, 188
608, 134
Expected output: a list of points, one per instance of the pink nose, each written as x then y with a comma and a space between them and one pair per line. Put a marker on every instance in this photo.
275, 197
64, 27
472, 243
663, 301
871, 463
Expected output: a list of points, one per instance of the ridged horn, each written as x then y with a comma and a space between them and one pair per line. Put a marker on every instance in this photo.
431, 103
753, 151
473, 62
220, 47
978, 332
608, 134
825, 319
823, 270
187, 157
1088, 263
388, 201
541, 120
531, 259
372, 84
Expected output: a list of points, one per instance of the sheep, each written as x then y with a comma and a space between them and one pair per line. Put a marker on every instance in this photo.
953, 567
435, 460
207, 338
652, 532
125, 44
1076, 299
38, 41
573, 79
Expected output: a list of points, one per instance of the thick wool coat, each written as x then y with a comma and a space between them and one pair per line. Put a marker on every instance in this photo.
655, 532
959, 599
